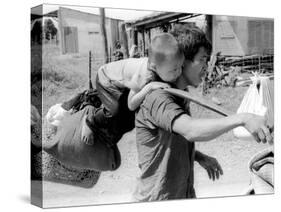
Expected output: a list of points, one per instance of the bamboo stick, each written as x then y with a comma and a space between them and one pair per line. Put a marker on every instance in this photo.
200, 101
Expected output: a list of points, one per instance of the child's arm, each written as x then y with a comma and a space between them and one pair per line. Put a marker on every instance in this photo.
135, 98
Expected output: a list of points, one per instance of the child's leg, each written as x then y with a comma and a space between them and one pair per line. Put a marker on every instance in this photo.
125, 114
97, 119
87, 135
109, 96
87, 128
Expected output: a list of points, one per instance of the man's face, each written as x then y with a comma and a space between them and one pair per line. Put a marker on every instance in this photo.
193, 71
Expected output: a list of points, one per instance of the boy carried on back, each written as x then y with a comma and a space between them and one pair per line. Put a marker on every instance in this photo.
137, 76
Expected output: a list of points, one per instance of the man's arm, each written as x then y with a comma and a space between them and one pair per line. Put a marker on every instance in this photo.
166, 114
208, 129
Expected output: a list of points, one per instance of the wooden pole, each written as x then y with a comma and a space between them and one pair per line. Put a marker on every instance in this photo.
135, 37
209, 28
103, 34
200, 101
90, 71
124, 40
149, 36
143, 42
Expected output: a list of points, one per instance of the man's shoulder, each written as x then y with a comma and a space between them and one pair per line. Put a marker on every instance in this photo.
158, 110
162, 96
159, 95
159, 92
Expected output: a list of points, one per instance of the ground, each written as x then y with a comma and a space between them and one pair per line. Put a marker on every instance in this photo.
66, 75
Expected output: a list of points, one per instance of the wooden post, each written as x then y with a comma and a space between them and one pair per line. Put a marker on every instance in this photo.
149, 36
209, 28
90, 71
143, 41
103, 34
135, 37
125, 40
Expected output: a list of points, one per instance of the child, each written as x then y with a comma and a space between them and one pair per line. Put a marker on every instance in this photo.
139, 75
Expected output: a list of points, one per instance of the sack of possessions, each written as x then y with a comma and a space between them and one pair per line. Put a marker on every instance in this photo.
81, 100
68, 147
257, 100
59, 111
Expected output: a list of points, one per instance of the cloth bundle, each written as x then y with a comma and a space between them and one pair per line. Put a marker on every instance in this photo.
68, 148
257, 100
56, 114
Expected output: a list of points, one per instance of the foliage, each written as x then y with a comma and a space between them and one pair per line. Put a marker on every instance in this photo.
49, 29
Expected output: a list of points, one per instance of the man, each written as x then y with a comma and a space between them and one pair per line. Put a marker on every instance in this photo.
165, 131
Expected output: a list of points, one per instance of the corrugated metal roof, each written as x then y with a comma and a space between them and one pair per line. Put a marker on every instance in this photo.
147, 17
157, 18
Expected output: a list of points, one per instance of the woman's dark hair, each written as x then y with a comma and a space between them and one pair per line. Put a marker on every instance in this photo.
190, 39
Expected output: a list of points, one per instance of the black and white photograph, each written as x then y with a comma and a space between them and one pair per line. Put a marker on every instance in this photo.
132, 105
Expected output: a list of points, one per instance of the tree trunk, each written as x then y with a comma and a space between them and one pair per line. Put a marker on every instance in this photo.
103, 34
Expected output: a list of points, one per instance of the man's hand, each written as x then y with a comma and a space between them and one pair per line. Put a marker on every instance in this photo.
257, 126
211, 165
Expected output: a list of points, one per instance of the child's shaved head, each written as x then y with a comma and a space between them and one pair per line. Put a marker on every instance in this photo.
164, 46
165, 57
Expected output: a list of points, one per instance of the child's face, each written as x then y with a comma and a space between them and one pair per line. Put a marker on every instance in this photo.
170, 69
193, 71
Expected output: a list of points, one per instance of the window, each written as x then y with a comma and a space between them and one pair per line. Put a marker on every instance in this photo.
91, 33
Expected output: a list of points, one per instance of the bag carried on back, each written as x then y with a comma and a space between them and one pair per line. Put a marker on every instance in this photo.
68, 148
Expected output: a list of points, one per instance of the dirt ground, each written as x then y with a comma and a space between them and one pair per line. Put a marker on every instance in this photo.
117, 186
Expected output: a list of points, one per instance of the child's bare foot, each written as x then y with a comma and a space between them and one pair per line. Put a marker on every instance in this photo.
86, 133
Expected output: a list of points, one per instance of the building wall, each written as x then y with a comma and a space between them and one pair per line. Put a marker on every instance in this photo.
233, 35
88, 36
